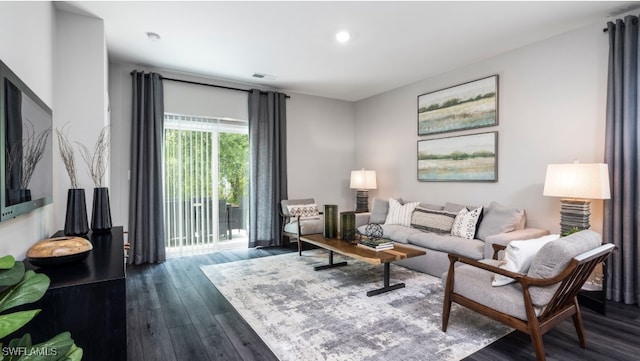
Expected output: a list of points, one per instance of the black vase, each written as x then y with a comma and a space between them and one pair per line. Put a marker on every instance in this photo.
101, 211
75, 223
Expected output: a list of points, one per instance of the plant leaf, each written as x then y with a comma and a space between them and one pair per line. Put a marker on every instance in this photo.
13, 350
9, 277
53, 350
7, 262
13, 321
75, 354
30, 289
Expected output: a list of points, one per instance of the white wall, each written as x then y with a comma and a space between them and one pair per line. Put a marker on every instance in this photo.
551, 110
320, 135
26, 46
320, 150
80, 101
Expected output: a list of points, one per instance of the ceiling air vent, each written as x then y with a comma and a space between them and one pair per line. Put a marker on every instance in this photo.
263, 76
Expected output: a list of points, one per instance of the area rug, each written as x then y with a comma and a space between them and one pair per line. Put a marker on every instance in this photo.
302, 314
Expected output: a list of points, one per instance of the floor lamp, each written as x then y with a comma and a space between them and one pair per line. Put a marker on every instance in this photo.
362, 181
576, 183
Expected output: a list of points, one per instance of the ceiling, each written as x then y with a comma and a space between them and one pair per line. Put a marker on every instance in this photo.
393, 43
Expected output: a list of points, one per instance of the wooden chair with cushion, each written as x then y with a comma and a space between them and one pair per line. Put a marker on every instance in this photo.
300, 217
537, 300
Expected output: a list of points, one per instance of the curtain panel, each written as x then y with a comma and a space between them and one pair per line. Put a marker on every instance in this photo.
146, 219
622, 211
268, 168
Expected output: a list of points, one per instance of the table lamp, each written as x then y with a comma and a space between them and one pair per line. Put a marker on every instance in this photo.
362, 181
576, 183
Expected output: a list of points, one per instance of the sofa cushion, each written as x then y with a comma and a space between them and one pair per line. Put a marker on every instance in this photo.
472, 248
499, 219
455, 207
399, 213
428, 220
307, 226
379, 210
395, 232
475, 283
466, 222
554, 257
518, 257
434, 207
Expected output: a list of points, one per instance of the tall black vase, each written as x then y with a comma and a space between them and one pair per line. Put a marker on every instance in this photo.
101, 211
75, 223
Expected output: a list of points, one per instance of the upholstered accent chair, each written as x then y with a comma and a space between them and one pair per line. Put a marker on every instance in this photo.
300, 217
538, 299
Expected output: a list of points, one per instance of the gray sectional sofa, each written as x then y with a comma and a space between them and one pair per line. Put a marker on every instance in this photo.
498, 224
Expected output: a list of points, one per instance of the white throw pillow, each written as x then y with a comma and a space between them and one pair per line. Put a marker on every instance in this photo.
518, 257
400, 214
465, 223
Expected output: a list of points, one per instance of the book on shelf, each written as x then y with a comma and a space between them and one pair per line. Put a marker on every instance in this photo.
378, 245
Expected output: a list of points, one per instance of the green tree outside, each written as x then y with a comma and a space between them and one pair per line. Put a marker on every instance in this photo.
188, 164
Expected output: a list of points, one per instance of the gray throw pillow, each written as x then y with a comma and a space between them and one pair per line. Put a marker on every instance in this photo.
499, 219
379, 210
554, 257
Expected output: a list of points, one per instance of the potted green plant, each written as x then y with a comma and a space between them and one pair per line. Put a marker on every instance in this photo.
20, 287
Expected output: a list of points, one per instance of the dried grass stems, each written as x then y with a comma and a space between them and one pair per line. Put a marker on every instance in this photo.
66, 152
97, 161
25, 155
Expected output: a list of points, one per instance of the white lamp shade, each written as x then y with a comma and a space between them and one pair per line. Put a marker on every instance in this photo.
363, 179
577, 180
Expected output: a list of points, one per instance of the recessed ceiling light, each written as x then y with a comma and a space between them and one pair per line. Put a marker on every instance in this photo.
343, 36
153, 36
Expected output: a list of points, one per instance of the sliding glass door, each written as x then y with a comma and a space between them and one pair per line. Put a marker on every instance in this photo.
206, 172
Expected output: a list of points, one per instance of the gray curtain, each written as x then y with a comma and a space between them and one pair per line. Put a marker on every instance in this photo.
622, 212
146, 222
268, 171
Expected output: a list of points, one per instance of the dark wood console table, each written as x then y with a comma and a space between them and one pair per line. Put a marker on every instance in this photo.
87, 299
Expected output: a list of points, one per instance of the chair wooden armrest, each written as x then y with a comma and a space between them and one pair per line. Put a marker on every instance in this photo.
457, 258
497, 248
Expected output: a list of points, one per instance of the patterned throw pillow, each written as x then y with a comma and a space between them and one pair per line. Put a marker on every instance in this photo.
466, 222
400, 214
429, 220
303, 210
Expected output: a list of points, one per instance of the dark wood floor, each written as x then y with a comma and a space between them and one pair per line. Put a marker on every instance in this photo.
175, 313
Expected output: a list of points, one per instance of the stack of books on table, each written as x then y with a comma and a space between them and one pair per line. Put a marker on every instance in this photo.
376, 245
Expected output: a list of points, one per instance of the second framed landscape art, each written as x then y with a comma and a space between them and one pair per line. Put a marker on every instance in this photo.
471, 158
465, 106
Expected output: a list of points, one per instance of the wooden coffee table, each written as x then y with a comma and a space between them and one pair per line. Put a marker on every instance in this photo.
399, 252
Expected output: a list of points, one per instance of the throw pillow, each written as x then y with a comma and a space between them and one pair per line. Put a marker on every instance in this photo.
400, 214
465, 223
429, 220
518, 257
303, 210
499, 219
379, 210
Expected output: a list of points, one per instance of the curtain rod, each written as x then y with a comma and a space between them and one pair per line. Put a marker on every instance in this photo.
211, 85
634, 20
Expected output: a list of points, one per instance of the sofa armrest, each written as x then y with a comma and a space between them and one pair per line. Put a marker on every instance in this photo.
362, 219
505, 238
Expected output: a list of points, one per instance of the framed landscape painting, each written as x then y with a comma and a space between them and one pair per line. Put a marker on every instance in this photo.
465, 106
465, 158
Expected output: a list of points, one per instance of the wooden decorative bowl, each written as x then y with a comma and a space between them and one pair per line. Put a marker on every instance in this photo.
59, 251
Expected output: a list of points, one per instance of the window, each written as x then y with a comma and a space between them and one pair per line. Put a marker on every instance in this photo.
206, 172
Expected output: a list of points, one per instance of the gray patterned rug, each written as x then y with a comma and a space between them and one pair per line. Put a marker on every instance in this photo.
302, 314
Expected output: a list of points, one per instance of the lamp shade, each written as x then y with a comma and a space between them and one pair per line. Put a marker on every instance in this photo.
577, 180
363, 179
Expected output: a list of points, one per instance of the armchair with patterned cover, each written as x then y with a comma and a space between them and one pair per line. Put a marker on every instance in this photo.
300, 217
